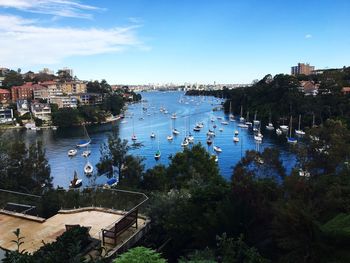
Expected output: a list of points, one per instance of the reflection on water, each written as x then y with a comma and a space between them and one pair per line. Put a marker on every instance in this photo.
190, 111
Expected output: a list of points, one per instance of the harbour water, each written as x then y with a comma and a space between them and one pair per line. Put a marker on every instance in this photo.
189, 111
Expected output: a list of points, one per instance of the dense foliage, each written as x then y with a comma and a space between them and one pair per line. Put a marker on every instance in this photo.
67, 248
281, 97
23, 168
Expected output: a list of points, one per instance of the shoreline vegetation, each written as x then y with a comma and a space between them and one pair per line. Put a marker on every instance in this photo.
262, 214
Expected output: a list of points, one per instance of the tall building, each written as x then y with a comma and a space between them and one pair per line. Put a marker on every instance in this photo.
302, 68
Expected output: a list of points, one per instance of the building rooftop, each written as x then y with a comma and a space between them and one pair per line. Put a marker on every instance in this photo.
37, 230
4, 91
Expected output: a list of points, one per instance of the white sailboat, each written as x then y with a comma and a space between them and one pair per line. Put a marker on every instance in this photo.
85, 142
249, 123
299, 131
76, 182
241, 118
170, 137
231, 116
270, 126
133, 137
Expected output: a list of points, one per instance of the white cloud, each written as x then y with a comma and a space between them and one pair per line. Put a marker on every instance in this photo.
64, 8
24, 42
307, 36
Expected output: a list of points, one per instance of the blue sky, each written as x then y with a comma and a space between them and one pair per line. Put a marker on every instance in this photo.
157, 41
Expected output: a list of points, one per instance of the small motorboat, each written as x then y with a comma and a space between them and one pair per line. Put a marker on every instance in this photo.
270, 127
284, 128
111, 182
170, 138
197, 129
209, 141
153, 135
86, 153
133, 137
278, 131
243, 125
88, 168
217, 149
75, 183
235, 139
157, 155
173, 116
236, 132
176, 132
221, 129
185, 142
190, 138
54, 128
211, 133
72, 152
299, 132
257, 138
292, 140
224, 123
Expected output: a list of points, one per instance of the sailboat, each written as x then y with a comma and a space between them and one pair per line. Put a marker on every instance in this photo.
76, 182
290, 139
133, 137
299, 131
249, 123
283, 127
158, 153
256, 123
231, 116
241, 118
216, 148
88, 168
270, 125
170, 137
185, 142
86, 142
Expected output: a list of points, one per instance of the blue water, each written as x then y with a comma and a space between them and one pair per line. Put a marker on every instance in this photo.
191, 110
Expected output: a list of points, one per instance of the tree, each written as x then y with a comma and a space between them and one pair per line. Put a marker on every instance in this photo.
140, 255
12, 78
66, 117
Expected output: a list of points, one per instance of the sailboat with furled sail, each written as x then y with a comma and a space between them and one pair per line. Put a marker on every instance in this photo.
291, 139
299, 131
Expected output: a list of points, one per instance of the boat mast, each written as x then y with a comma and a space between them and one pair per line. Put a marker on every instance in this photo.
290, 127
299, 122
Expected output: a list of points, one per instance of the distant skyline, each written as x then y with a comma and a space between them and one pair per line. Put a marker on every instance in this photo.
156, 41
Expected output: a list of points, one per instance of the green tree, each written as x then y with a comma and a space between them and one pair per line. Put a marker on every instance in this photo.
12, 78
140, 255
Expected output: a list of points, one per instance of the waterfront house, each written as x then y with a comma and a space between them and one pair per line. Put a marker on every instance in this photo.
64, 101
6, 115
22, 106
309, 88
41, 111
89, 98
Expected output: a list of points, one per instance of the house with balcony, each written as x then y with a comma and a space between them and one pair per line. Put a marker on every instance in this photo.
41, 111
6, 115
64, 101
89, 98
22, 107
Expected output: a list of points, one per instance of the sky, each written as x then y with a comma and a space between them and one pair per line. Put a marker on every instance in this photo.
182, 41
